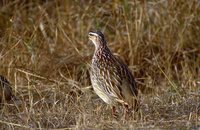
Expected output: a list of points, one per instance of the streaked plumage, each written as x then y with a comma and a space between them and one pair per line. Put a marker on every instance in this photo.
111, 79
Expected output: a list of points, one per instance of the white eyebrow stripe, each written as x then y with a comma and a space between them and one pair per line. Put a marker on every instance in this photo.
93, 34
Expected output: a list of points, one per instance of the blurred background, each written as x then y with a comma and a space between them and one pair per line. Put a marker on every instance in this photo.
45, 54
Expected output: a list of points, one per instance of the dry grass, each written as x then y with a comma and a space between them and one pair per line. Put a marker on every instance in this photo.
45, 53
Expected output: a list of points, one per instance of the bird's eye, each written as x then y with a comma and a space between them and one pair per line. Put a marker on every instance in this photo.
99, 37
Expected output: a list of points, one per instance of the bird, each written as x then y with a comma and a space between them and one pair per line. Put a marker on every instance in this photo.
111, 79
5, 90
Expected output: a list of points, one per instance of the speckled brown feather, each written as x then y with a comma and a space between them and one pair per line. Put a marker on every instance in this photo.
111, 79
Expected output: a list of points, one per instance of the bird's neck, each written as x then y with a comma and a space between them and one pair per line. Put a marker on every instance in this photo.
102, 51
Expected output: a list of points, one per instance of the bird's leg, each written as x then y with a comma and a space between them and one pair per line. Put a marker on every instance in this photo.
130, 111
126, 111
114, 112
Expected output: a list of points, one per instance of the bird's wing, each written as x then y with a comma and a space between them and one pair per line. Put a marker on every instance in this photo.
110, 80
126, 77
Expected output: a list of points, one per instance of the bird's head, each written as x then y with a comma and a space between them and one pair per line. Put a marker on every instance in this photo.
97, 38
